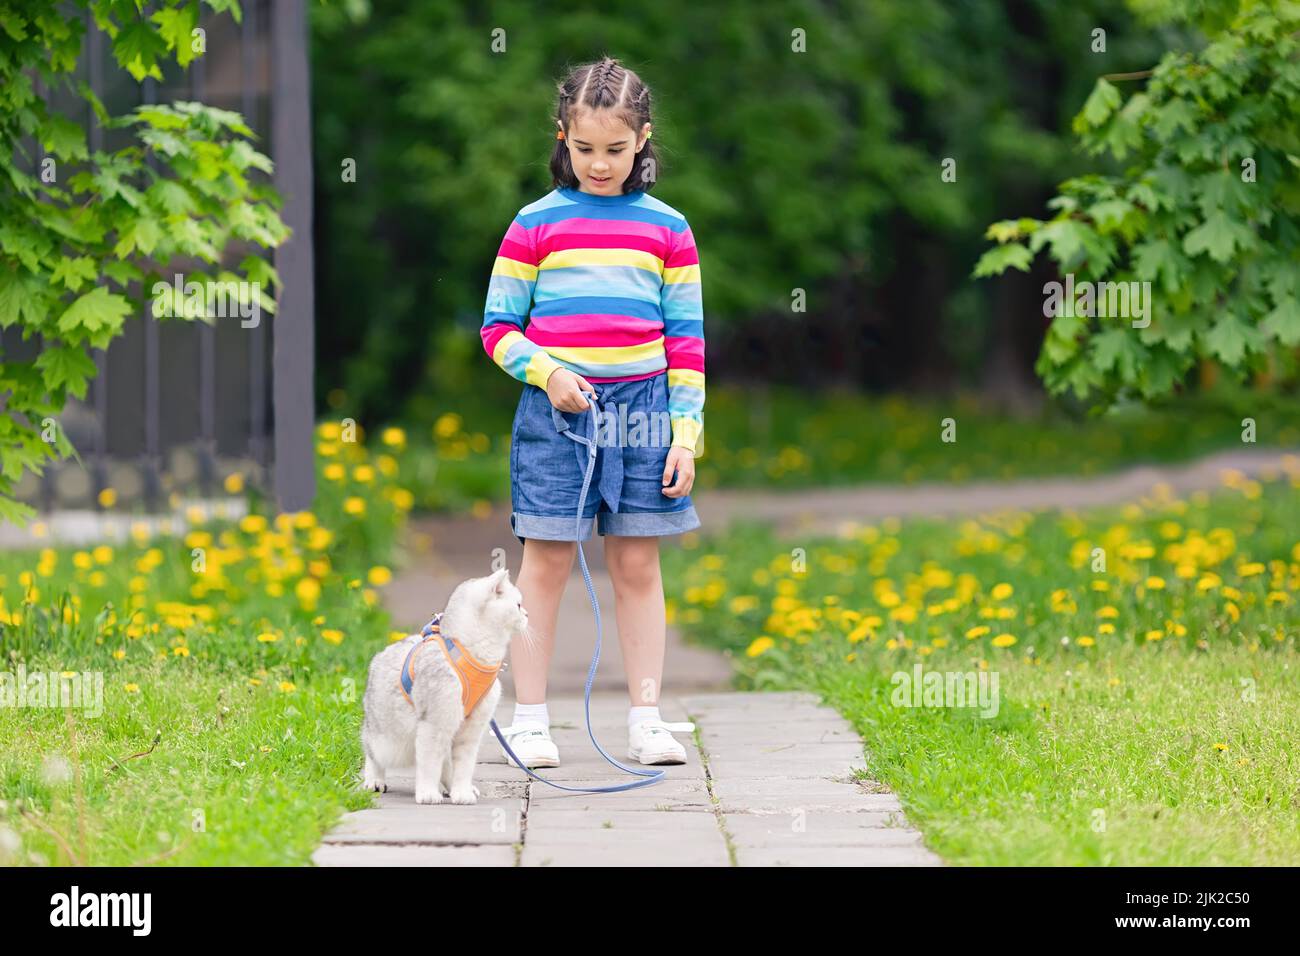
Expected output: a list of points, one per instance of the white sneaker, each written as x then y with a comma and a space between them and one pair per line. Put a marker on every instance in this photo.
531, 743
652, 742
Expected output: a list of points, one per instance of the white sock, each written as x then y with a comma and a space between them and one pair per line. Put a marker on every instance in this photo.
637, 714
532, 713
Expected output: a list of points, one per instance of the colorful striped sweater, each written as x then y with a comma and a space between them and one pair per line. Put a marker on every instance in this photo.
614, 288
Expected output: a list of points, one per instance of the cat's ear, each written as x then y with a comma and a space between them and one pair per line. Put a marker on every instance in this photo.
499, 579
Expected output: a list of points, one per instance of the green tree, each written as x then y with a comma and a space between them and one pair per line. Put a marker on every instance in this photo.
82, 234
1206, 209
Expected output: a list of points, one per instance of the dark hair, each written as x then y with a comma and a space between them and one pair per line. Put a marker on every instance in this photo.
604, 85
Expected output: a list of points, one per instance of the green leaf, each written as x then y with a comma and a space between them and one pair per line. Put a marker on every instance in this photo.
998, 259
1230, 338
64, 366
1067, 238
122, 272
174, 26
1102, 101
1283, 323
1110, 214
137, 47
74, 273
97, 309
1159, 259
1217, 237
1119, 349
171, 197
143, 234
62, 137
22, 297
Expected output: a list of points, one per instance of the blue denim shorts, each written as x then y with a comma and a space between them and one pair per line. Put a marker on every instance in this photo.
625, 496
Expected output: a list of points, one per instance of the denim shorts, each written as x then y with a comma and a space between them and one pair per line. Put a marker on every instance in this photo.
625, 496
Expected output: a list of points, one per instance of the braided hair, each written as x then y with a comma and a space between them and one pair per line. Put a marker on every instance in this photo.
606, 84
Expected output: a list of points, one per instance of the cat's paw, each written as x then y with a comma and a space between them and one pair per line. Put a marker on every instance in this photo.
464, 795
431, 795
377, 785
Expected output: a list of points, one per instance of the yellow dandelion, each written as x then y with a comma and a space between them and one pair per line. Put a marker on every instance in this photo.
333, 635
267, 637
354, 505
252, 524
234, 483
447, 425
760, 645
1004, 640
131, 688
1002, 591
287, 687
379, 576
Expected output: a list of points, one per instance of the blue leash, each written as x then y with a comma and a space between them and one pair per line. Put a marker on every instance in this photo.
655, 775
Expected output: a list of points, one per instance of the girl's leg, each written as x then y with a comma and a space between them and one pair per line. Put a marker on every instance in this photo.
633, 564
542, 576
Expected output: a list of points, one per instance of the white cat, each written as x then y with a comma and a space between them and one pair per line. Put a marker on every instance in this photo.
436, 718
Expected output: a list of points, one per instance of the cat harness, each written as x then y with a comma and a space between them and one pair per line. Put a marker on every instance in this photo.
475, 678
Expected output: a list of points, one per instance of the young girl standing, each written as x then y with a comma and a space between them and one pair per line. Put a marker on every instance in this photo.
613, 280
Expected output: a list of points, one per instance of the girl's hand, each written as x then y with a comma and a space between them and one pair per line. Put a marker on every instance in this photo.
565, 388
681, 460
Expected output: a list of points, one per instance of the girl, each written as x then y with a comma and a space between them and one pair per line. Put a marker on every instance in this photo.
613, 281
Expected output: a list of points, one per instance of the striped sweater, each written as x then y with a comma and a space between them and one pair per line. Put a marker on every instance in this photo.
614, 288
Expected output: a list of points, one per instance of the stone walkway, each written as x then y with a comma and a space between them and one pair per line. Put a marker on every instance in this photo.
771, 779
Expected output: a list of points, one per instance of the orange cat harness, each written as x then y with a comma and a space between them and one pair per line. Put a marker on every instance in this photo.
475, 678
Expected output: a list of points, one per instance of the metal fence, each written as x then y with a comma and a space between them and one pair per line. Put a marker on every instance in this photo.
176, 407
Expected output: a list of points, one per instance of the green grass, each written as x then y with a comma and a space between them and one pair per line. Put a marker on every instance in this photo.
1074, 770
240, 775
233, 659
1167, 741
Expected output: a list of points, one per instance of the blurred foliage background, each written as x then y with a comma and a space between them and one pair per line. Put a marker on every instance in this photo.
832, 156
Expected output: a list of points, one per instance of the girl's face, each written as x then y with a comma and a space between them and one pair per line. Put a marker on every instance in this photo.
602, 149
